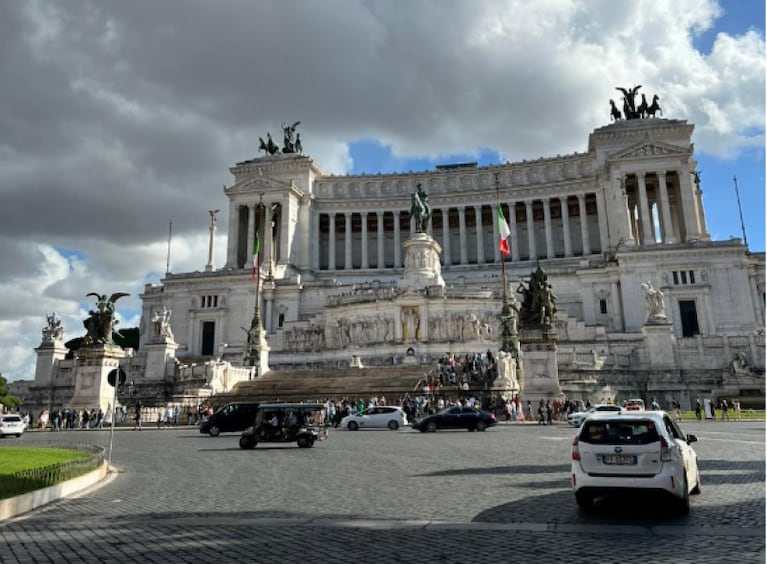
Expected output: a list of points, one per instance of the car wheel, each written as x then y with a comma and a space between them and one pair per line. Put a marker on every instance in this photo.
305, 442
352, 426
584, 500
247, 443
214, 431
481, 426
18, 435
697, 489
684, 503
393, 425
431, 426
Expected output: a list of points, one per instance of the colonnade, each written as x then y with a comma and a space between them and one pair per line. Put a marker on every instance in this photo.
547, 228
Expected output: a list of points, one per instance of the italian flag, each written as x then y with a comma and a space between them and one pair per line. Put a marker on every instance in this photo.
503, 231
256, 247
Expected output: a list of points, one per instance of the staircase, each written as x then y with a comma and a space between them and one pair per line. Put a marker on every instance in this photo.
320, 384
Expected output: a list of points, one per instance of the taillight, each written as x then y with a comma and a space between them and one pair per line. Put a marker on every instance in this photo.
575, 453
665, 451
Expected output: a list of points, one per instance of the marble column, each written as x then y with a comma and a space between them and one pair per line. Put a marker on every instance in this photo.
331, 241
566, 226
530, 230
479, 234
233, 235
645, 215
462, 233
397, 241
691, 227
250, 238
380, 241
268, 239
446, 236
348, 241
584, 224
315, 240
514, 231
547, 226
667, 228
604, 238
364, 240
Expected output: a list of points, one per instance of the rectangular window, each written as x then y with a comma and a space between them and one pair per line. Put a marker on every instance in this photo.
676, 278
692, 277
603, 307
684, 277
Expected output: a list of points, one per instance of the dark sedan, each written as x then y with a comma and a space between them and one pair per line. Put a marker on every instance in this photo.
458, 417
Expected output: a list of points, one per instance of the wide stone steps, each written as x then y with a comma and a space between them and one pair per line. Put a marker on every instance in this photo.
300, 385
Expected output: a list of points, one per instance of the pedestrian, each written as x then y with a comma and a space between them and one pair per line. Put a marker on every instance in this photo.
541, 413
137, 416
725, 408
736, 406
697, 409
549, 413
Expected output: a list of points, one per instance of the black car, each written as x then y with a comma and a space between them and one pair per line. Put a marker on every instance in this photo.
457, 417
231, 418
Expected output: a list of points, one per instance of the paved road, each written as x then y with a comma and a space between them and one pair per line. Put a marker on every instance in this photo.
382, 496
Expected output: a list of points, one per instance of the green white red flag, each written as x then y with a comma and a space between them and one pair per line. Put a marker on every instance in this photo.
503, 231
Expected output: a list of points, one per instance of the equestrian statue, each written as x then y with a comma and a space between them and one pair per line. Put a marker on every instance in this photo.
420, 209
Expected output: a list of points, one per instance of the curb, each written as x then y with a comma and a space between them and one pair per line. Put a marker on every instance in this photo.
23, 503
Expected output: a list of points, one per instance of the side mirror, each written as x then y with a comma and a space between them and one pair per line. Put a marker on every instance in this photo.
691, 439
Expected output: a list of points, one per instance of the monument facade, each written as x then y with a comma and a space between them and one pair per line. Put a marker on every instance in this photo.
376, 269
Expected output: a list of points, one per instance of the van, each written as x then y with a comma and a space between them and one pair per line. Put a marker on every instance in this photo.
230, 418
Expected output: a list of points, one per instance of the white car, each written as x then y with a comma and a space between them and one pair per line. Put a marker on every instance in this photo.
378, 417
11, 425
633, 451
576, 418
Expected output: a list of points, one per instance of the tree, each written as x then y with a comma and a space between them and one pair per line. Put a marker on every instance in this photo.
6, 399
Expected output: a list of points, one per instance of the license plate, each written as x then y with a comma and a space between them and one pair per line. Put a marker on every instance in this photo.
623, 459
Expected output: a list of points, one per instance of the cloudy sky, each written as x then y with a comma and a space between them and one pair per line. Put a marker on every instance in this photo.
119, 117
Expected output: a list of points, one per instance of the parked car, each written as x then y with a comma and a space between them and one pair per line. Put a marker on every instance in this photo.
302, 423
633, 451
230, 418
457, 417
634, 404
11, 424
576, 418
378, 417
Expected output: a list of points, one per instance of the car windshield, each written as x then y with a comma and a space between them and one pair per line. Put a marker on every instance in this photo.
619, 432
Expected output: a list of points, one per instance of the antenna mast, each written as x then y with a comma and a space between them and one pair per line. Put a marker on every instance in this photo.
740, 211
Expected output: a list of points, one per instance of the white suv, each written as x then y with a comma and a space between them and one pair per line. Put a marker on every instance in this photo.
380, 416
641, 450
11, 425
576, 417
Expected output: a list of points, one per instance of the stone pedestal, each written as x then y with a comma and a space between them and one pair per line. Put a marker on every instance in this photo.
48, 354
158, 356
539, 360
422, 267
92, 390
660, 344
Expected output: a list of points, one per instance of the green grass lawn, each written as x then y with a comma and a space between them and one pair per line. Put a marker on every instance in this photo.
17, 459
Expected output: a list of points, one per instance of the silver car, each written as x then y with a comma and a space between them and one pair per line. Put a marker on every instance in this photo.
633, 451
576, 418
378, 417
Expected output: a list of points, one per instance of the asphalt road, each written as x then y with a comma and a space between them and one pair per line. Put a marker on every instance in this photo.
383, 496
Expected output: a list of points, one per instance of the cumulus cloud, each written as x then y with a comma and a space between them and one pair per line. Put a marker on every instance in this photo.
122, 116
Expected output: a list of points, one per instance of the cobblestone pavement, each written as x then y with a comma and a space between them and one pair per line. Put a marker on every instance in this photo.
382, 496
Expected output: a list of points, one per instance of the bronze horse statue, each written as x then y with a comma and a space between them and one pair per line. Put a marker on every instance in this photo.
268, 146
654, 107
420, 209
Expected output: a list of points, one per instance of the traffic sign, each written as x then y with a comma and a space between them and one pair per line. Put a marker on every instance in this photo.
113, 374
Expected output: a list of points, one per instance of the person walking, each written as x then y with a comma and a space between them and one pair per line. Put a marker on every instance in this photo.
137, 416
697, 409
725, 410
